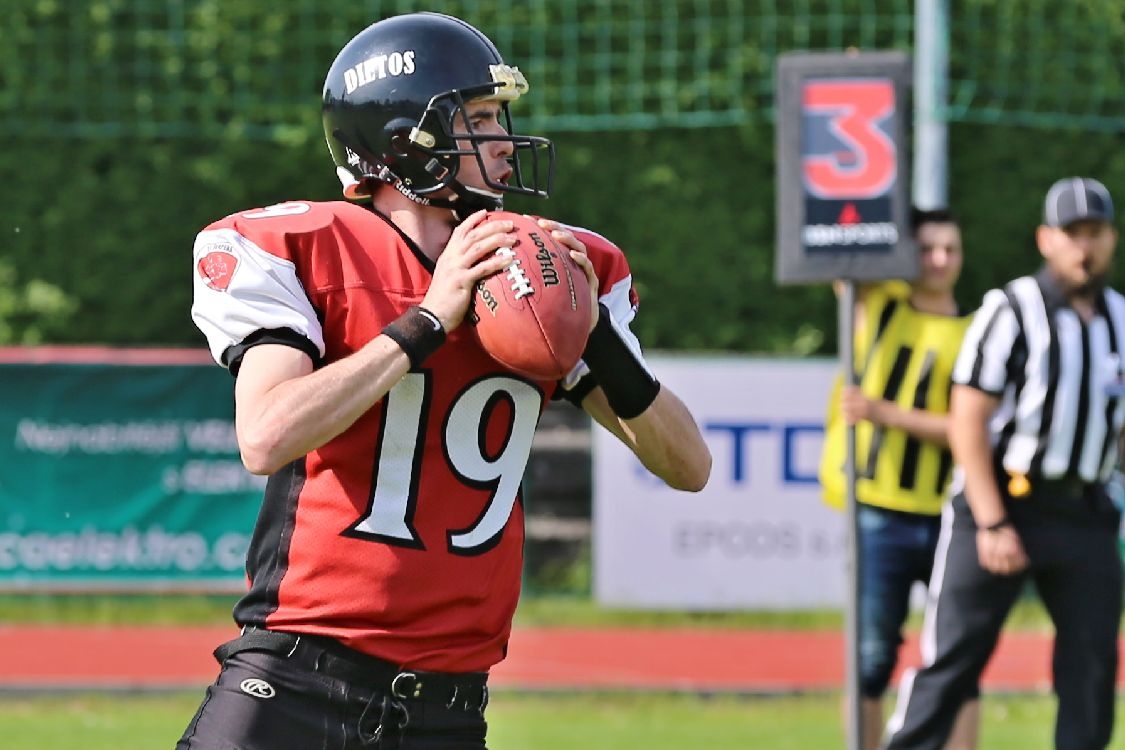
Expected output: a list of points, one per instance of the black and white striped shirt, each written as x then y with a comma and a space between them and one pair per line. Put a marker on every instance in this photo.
1060, 381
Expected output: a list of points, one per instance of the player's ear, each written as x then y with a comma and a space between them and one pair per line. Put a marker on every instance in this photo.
1043, 239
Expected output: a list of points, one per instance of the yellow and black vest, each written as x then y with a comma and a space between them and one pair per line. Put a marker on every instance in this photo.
907, 357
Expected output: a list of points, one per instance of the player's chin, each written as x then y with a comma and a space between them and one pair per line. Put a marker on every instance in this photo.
938, 282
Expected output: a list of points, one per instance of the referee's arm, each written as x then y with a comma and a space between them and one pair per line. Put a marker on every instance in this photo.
999, 548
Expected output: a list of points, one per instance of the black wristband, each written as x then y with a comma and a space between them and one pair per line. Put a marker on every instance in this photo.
1003, 523
418, 332
627, 385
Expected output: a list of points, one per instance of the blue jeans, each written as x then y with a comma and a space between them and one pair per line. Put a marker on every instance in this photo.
895, 550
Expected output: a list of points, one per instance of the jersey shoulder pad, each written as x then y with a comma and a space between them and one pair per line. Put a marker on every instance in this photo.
287, 229
610, 264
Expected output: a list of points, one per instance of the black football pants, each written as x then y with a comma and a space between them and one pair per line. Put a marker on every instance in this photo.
1076, 567
263, 701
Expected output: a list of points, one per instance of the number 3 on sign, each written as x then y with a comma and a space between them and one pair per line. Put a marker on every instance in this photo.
855, 109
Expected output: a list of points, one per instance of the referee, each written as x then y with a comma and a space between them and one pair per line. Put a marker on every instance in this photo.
1036, 416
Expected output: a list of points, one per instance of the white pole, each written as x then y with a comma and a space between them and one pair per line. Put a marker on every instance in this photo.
931, 84
853, 699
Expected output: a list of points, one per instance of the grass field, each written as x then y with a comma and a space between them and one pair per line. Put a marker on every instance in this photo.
185, 609
518, 721
533, 722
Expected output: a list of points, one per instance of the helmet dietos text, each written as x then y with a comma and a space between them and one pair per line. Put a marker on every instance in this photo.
379, 67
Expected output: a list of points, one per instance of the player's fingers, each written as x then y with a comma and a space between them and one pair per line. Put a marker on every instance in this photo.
489, 228
987, 555
473, 241
580, 256
850, 407
1009, 558
465, 252
583, 260
493, 262
497, 244
568, 240
469, 224
999, 564
1014, 565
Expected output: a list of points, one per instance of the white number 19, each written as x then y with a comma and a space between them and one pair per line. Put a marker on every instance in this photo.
391, 511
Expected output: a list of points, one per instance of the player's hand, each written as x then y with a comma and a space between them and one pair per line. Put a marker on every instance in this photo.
578, 253
856, 407
1001, 552
469, 256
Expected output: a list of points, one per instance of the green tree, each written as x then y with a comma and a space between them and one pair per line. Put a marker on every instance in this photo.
27, 307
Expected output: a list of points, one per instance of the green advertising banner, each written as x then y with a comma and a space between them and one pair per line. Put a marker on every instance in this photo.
120, 471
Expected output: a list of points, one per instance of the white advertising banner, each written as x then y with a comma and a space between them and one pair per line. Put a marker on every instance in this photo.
759, 536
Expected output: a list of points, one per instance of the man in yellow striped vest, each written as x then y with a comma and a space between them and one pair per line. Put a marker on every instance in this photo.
907, 337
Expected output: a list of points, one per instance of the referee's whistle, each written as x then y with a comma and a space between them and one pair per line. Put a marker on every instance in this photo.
1018, 486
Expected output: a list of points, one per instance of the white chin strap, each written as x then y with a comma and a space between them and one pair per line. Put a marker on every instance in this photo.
350, 185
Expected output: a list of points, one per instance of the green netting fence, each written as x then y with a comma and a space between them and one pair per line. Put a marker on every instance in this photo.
254, 68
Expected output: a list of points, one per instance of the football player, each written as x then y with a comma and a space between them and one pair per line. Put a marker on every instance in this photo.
385, 565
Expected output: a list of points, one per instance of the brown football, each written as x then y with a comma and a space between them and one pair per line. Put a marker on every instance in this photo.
534, 316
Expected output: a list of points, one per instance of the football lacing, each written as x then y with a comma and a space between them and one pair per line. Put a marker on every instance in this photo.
521, 285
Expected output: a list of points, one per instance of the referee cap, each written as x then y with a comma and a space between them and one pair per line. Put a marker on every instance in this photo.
1077, 199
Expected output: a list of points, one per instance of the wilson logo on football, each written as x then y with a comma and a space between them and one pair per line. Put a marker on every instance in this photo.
257, 688
216, 269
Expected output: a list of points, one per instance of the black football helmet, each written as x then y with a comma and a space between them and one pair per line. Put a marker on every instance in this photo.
390, 110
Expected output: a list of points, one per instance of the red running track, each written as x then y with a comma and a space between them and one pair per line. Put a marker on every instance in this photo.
65, 657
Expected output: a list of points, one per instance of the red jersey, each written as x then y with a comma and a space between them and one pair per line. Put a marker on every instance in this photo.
403, 536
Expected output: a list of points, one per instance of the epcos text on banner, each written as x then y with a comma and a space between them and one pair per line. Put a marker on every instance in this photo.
842, 177
759, 536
